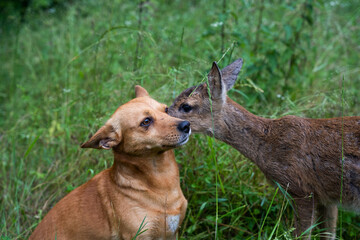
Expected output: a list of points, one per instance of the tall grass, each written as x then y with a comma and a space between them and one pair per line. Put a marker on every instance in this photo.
65, 70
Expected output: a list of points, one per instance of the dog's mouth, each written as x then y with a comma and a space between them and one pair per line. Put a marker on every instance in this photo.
183, 139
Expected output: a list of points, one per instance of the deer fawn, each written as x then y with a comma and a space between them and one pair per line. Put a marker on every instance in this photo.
303, 155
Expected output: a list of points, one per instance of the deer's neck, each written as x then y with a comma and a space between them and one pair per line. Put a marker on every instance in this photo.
242, 130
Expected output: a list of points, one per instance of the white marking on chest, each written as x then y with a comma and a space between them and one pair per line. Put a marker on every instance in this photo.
173, 222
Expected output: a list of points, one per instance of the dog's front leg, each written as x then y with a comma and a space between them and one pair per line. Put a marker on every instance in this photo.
328, 217
304, 216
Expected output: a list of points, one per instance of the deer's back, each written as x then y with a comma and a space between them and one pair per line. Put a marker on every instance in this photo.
314, 155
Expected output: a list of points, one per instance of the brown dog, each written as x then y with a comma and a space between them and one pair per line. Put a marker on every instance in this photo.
316, 160
141, 186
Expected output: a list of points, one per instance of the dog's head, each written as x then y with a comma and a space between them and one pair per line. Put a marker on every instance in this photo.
141, 126
195, 104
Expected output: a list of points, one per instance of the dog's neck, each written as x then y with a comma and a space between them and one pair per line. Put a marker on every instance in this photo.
241, 129
154, 171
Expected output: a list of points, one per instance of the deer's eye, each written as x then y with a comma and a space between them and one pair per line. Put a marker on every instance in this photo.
185, 107
166, 110
146, 122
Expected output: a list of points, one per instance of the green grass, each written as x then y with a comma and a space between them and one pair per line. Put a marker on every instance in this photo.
64, 73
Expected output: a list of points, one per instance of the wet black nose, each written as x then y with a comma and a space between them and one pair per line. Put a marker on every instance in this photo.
184, 126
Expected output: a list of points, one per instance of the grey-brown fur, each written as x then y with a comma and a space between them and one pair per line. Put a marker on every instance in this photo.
303, 155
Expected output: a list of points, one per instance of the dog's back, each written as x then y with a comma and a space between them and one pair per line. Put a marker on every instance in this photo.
66, 219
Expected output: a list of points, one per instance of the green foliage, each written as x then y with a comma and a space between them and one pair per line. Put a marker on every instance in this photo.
64, 72
15, 11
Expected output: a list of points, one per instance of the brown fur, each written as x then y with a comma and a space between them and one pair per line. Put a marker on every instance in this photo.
303, 155
143, 182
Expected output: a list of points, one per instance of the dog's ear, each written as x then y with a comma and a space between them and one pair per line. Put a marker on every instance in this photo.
216, 85
141, 92
105, 138
231, 72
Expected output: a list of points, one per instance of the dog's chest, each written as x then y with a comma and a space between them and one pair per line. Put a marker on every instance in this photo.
162, 226
172, 222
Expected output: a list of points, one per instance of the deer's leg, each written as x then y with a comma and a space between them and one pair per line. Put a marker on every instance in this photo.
328, 217
304, 216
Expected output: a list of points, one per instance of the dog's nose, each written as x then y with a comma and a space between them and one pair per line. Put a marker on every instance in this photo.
184, 126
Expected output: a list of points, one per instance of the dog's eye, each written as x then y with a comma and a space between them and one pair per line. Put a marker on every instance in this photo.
146, 122
166, 110
185, 107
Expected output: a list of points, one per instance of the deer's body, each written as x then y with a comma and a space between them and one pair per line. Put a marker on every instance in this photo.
316, 160
304, 153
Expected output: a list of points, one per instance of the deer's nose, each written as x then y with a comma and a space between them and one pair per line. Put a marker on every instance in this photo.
184, 126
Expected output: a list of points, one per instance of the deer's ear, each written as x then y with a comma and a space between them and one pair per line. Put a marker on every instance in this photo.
216, 85
104, 138
231, 72
140, 92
